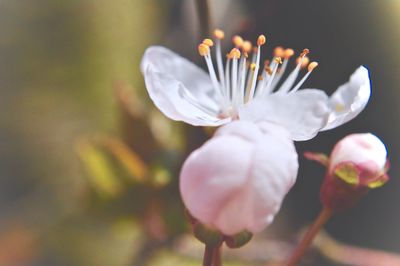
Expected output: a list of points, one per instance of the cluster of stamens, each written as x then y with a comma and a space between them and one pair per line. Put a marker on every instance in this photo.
241, 80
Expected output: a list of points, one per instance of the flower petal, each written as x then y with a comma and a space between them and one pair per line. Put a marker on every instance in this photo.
208, 183
180, 89
237, 180
349, 99
303, 113
195, 79
275, 173
176, 102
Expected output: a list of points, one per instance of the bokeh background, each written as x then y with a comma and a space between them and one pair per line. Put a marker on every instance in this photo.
89, 168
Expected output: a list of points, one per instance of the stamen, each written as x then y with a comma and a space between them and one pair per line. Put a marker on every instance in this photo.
237, 41
279, 51
304, 61
242, 79
311, 67
203, 49
252, 69
266, 74
287, 85
246, 46
305, 52
268, 88
278, 60
260, 41
227, 77
268, 70
234, 53
208, 42
219, 34
239, 81
288, 53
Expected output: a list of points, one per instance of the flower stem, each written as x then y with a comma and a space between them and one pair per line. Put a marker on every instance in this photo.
217, 256
212, 256
208, 255
321, 220
203, 12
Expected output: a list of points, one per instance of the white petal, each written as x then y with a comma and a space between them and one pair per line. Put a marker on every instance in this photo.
302, 113
208, 183
275, 172
243, 129
180, 89
237, 180
195, 79
349, 99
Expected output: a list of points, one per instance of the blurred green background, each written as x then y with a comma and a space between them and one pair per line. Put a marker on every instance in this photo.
88, 166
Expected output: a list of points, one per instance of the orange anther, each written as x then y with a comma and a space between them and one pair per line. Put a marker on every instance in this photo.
219, 34
261, 40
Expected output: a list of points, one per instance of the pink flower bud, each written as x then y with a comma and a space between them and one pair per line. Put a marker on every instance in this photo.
365, 151
237, 180
357, 163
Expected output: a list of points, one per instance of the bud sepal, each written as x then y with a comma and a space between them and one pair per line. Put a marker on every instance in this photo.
238, 240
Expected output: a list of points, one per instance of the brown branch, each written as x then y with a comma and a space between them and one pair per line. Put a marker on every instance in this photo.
309, 236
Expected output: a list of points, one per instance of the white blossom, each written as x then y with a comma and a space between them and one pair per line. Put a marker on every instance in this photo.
243, 89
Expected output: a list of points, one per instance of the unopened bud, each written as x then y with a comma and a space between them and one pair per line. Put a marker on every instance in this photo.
357, 164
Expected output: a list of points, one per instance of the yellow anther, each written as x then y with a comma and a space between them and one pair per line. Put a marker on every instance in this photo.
304, 61
288, 53
219, 34
208, 42
235, 53
203, 49
246, 46
253, 66
228, 56
268, 70
261, 40
278, 60
305, 52
237, 41
279, 51
312, 65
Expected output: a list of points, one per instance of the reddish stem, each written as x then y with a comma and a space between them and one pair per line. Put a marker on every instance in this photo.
321, 220
217, 256
208, 256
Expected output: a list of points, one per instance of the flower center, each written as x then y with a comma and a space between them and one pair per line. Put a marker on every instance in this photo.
240, 80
